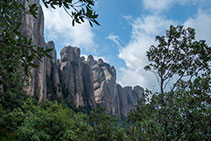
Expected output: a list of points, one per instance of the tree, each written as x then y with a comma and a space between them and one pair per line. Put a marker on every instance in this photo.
178, 56
52, 121
43, 121
183, 112
105, 127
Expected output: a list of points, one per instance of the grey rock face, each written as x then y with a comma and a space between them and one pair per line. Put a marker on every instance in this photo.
115, 99
91, 60
123, 102
138, 91
105, 90
88, 93
128, 98
92, 82
54, 89
34, 28
71, 74
53, 54
76, 77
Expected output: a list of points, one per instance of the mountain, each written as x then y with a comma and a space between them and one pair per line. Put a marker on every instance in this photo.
86, 82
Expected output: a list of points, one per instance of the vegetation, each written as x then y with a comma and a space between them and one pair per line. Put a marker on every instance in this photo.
53, 121
180, 111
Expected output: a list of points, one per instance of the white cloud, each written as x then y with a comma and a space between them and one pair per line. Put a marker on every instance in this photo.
157, 5
161, 5
143, 35
58, 26
115, 39
201, 22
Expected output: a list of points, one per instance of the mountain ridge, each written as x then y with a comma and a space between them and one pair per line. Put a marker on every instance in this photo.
86, 82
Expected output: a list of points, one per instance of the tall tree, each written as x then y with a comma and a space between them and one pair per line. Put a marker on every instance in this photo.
177, 56
183, 112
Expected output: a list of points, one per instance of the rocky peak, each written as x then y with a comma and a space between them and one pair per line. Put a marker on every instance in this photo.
76, 77
139, 91
90, 60
85, 83
100, 61
105, 91
34, 28
70, 54
52, 73
51, 45
83, 59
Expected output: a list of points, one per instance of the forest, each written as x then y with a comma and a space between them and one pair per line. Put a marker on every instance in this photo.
181, 111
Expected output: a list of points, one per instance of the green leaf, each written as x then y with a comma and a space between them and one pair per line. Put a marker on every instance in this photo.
66, 5
46, 5
73, 22
91, 23
96, 22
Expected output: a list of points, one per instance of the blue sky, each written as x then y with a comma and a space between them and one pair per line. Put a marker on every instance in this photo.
128, 28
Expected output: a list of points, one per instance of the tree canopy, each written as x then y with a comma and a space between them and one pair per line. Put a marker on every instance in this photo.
183, 112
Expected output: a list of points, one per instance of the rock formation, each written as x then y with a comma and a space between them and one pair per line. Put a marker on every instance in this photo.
128, 98
54, 89
76, 77
87, 83
105, 90
34, 28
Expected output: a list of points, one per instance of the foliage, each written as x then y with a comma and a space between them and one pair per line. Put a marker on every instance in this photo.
51, 88
178, 54
53, 121
105, 127
183, 113
77, 10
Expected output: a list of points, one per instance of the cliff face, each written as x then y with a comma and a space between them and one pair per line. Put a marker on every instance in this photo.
87, 83
105, 90
76, 77
128, 98
54, 89
90, 83
34, 28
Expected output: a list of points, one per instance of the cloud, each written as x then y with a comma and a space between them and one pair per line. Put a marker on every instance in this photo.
161, 5
58, 27
143, 35
201, 22
115, 39
156, 5
144, 30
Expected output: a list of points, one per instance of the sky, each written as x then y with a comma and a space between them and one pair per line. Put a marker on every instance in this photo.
128, 28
